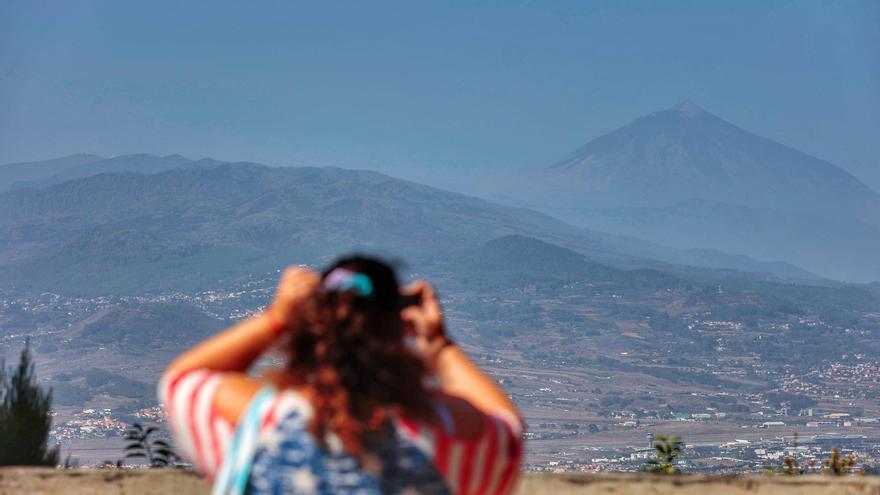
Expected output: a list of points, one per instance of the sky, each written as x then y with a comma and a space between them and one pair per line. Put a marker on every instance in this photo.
428, 87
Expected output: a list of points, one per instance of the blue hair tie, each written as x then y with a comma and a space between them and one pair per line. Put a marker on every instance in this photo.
343, 280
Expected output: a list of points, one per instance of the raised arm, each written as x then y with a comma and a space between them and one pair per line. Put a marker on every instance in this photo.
234, 350
458, 375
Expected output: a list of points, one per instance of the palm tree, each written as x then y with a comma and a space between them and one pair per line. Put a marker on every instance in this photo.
668, 450
141, 443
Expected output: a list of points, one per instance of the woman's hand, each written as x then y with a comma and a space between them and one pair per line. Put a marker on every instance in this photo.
425, 322
459, 377
297, 284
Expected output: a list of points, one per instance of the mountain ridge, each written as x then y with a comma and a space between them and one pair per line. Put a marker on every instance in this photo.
197, 224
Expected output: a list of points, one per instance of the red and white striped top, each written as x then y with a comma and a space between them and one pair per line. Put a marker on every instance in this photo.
487, 464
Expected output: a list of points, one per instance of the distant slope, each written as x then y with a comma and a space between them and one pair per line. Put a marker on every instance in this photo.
76, 389
14, 173
144, 327
141, 162
517, 260
513, 261
207, 222
841, 248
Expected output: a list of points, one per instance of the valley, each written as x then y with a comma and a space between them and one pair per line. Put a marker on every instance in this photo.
596, 357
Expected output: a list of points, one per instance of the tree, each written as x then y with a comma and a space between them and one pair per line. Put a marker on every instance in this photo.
25, 417
141, 443
668, 450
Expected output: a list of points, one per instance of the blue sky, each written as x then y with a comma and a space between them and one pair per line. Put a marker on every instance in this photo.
428, 85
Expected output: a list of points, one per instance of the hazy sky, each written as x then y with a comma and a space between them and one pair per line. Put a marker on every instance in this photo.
441, 85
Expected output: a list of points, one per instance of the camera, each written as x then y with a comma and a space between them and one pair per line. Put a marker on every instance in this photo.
410, 300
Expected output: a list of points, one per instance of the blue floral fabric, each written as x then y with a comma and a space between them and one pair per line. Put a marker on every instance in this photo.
290, 460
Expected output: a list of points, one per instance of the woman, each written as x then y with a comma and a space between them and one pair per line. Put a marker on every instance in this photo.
374, 397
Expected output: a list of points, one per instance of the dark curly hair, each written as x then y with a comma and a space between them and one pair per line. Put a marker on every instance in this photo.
350, 352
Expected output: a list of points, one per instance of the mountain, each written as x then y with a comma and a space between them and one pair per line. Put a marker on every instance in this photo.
140, 327
686, 153
191, 227
51, 172
517, 260
208, 222
686, 178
